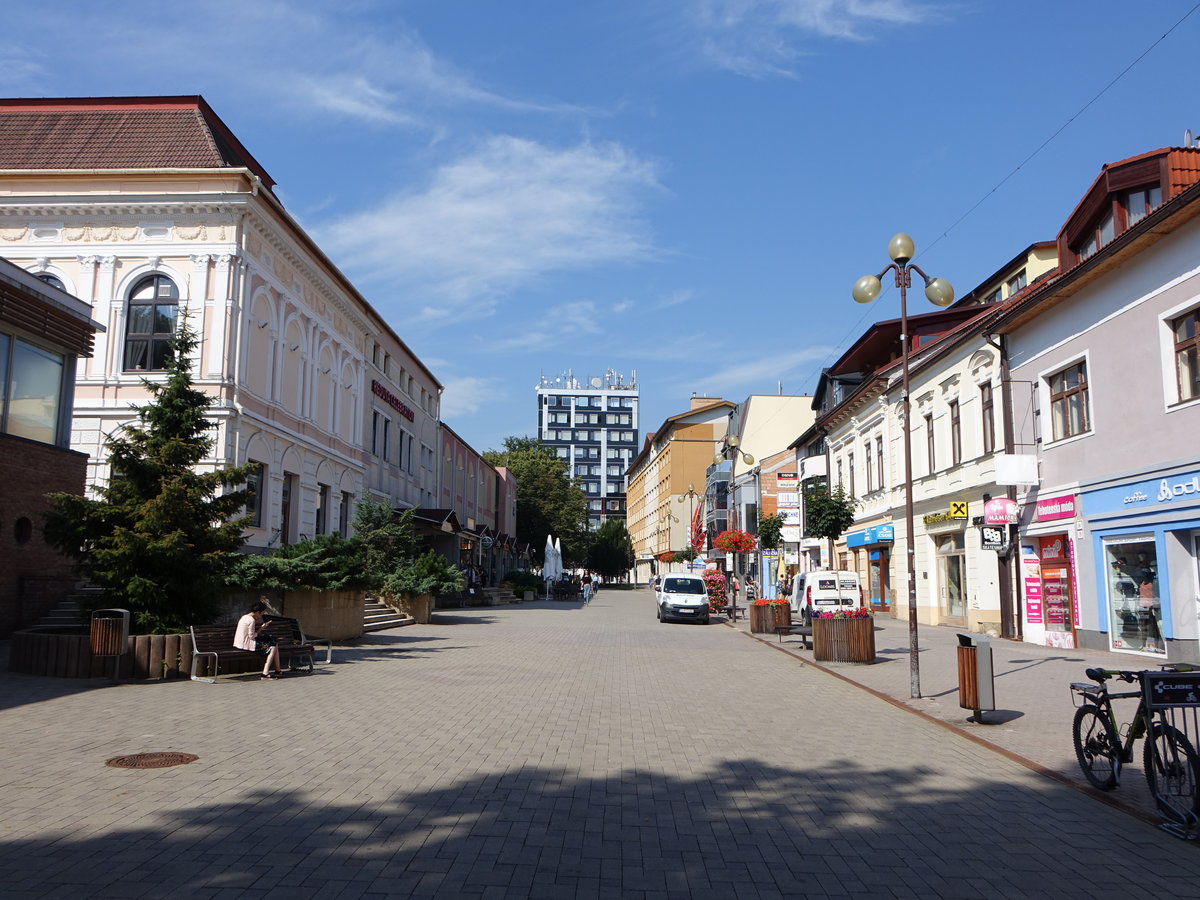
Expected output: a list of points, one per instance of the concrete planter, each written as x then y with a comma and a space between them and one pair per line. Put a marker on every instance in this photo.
844, 640
420, 607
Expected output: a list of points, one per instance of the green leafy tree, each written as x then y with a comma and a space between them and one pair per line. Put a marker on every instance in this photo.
770, 532
611, 552
387, 541
829, 514
160, 537
548, 501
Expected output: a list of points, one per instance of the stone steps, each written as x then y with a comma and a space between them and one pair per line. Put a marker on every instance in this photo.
379, 616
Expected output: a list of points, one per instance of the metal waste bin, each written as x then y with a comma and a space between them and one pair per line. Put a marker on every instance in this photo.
976, 687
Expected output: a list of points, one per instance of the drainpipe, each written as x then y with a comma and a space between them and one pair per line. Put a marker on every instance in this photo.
1010, 620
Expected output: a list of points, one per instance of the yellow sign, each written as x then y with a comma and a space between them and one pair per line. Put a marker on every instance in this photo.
958, 509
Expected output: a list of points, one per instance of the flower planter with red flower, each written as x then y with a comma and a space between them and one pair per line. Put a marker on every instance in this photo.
762, 617
734, 541
783, 613
844, 636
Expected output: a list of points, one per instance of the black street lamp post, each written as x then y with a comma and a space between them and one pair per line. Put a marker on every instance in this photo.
939, 292
730, 451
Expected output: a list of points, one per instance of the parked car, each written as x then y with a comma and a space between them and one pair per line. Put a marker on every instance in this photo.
681, 596
825, 590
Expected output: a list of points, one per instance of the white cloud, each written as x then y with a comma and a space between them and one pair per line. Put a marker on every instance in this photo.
501, 217
346, 58
759, 370
467, 395
557, 325
760, 38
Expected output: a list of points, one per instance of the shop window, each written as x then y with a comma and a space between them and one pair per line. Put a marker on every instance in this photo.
344, 515
150, 316
322, 508
1135, 610
1069, 414
1186, 331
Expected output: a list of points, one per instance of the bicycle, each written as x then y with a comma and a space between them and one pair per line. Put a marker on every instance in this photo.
1169, 761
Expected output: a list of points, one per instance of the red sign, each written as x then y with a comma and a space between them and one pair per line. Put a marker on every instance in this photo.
1051, 508
393, 401
1000, 511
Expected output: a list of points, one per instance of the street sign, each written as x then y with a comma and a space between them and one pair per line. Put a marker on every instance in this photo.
992, 538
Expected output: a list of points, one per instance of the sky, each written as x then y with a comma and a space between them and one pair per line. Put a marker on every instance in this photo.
685, 189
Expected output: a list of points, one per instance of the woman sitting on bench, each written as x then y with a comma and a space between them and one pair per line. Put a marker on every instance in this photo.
250, 636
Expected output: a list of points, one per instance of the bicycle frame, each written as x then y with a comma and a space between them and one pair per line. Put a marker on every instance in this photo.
1101, 697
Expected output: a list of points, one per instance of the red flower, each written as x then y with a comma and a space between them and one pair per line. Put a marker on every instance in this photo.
734, 541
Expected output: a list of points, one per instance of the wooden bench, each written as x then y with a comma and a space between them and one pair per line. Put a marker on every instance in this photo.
216, 642
730, 610
803, 628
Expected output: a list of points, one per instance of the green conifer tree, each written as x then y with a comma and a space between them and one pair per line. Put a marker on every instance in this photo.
160, 536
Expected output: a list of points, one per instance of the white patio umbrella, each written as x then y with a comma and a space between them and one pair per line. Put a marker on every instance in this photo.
551, 564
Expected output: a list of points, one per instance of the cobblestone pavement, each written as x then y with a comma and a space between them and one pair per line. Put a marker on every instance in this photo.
547, 750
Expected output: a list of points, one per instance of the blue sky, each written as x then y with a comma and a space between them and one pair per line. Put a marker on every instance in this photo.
687, 188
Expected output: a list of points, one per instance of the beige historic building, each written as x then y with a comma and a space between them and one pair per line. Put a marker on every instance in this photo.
153, 212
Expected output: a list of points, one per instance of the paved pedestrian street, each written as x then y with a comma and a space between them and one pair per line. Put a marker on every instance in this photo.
543, 750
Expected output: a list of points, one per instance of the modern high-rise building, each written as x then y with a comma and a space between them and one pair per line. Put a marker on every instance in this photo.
592, 424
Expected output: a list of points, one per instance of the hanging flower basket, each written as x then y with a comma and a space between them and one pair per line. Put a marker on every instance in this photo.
734, 541
668, 556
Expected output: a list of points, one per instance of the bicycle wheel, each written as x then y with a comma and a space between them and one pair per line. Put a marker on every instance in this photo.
1171, 767
1097, 747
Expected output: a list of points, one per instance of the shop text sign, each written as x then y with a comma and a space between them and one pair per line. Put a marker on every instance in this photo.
1050, 509
392, 400
1000, 511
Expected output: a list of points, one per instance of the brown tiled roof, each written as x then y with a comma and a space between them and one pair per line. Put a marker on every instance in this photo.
118, 133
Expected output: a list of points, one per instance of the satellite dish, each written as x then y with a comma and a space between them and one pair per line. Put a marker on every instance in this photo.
596, 382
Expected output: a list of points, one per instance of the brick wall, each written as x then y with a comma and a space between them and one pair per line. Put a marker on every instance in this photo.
33, 576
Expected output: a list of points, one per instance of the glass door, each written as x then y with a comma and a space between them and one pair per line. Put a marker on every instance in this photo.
951, 550
1135, 611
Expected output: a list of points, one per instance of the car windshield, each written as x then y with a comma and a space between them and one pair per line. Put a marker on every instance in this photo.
683, 586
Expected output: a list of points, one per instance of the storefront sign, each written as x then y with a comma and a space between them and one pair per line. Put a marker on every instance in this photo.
992, 538
876, 534
787, 498
1049, 509
790, 516
786, 479
941, 518
393, 401
1182, 489
1000, 511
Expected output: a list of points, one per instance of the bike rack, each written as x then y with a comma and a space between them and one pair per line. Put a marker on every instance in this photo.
1173, 706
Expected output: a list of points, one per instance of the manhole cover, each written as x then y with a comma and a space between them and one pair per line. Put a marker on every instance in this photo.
151, 760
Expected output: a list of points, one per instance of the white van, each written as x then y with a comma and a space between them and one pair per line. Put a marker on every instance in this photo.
682, 596
825, 590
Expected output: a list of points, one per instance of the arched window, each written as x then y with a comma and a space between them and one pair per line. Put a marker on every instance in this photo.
150, 323
52, 280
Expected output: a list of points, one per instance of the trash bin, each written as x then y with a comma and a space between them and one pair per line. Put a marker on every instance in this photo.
109, 632
976, 688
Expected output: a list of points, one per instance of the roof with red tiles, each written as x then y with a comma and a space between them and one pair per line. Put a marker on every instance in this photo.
119, 133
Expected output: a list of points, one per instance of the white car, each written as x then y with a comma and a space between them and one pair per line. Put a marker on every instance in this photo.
682, 596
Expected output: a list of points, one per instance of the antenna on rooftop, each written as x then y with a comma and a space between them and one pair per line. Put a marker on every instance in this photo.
1188, 141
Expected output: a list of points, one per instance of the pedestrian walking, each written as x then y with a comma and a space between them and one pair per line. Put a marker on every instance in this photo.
587, 587
751, 589
736, 587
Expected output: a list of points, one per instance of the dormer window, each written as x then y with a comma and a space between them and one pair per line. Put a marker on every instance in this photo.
1101, 234
1138, 204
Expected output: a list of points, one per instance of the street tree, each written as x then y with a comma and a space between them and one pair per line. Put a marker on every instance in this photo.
611, 551
160, 536
548, 501
829, 514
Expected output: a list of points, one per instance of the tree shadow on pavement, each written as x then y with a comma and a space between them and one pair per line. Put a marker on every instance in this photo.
743, 828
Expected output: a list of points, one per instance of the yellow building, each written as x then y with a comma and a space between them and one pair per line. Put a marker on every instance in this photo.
666, 481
